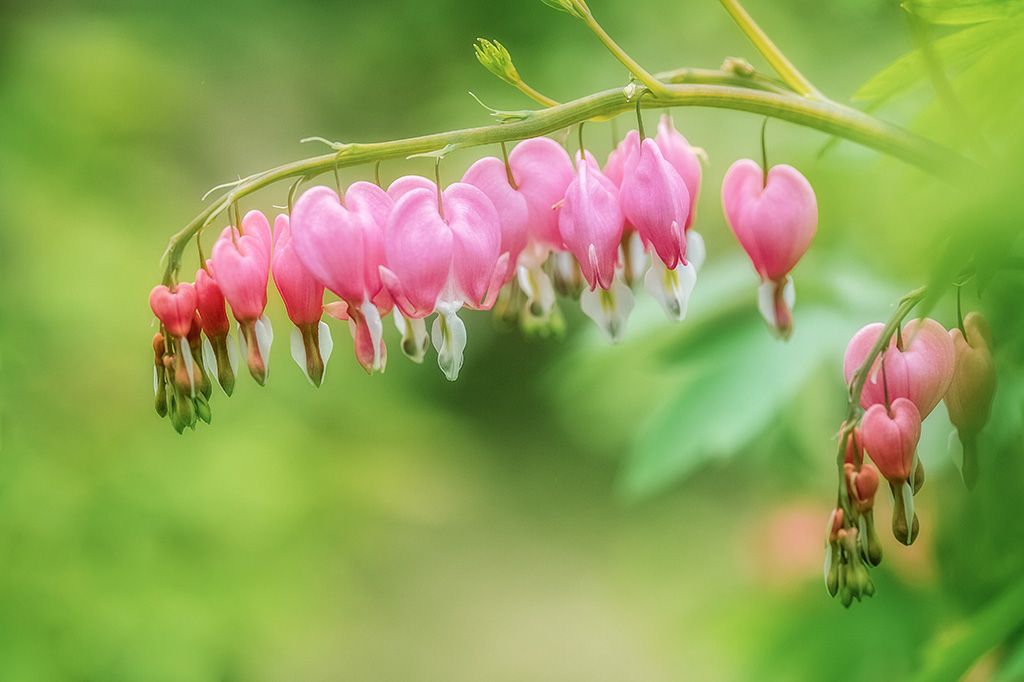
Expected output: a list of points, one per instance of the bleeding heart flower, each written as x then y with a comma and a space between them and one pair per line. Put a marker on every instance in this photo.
342, 246
969, 397
218, 348
303, 297
774, 219
678, 152
441, 258
920, 371
591, 223
241, 265
491, 177
861, 485
891, 436
174, 308
542, 171
655, 201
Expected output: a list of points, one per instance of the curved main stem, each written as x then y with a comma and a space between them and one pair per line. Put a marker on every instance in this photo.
828, 117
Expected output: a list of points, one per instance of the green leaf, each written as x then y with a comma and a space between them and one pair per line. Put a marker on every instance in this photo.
954, 51
963, 11
742, 382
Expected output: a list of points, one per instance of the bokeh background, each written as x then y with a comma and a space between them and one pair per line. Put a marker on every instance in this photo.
566, 510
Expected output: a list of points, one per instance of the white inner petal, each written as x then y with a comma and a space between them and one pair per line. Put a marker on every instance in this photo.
299, 352
264, 339
609, 309
696, 252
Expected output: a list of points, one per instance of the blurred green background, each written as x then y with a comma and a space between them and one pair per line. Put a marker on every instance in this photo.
566, 510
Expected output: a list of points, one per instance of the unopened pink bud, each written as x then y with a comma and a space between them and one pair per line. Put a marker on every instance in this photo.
210, 303
969, 396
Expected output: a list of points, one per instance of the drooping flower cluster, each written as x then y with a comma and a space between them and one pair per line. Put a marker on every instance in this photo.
509, 235
918, 367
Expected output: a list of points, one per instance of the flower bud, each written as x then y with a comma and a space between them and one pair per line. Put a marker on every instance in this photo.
969, 397
861, 486
497, 60
903, 508
159, 374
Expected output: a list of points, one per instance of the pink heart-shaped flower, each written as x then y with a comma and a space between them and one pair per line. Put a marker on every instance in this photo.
656, 202
920, 372
241, 266
542, 170
174, 308
774, 220
210, 303
678, 152
591, 223
342, 246
890, 438
490, 177
302, 293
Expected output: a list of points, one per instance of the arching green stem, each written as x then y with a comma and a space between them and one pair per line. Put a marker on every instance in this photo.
828, 117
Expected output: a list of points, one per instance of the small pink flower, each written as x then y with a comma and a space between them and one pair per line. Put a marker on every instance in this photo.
210, 302
542, 171
342, 246
303, 297
861, 485
241, 266
490, 176
891, 436
920, 371
591, 223
969, 397
441, 258
774, 221
678, 152
174, 308
451, 259
302, 293
656, 202
213, 317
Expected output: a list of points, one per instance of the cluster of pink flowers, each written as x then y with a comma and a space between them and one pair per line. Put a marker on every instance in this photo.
521, 229
920, 366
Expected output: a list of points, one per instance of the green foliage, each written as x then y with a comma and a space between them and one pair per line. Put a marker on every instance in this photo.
956, 51
964, 11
